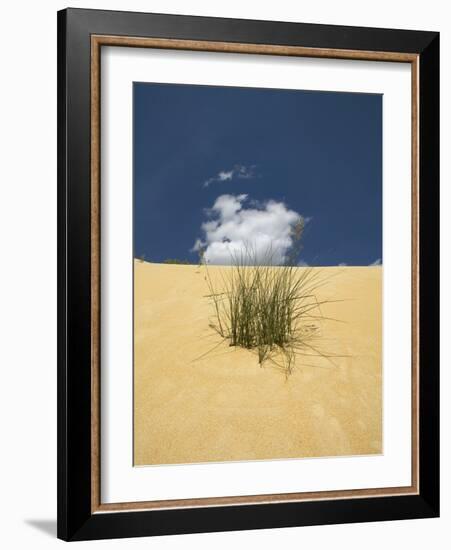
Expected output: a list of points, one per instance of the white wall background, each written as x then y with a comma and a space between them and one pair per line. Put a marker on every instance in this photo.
28, 274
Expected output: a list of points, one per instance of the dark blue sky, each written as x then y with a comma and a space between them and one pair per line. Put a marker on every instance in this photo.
320, 153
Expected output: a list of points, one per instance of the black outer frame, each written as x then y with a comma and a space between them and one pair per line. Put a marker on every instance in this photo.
75, 520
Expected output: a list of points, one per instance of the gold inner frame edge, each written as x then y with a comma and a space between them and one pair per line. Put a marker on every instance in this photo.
97, 41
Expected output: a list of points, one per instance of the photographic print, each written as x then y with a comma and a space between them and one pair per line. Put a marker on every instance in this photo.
257, 274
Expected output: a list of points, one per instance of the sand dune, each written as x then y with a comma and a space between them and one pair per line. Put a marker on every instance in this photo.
196, 399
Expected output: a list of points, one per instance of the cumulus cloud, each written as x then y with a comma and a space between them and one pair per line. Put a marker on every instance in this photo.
236, 225
377, 262
239, 171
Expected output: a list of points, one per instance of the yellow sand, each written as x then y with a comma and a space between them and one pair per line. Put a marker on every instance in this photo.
193, 403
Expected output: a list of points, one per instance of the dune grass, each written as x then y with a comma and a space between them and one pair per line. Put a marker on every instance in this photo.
270, 309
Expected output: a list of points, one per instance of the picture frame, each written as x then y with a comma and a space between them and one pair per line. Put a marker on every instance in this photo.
81, 36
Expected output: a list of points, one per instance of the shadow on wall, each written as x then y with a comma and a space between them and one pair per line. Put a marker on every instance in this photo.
46, 526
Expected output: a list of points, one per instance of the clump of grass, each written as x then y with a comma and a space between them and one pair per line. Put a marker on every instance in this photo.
270, 309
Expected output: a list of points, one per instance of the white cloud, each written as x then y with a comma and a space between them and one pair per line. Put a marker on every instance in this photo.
239, 171
224, 176
235, 228
342, 264
377, 262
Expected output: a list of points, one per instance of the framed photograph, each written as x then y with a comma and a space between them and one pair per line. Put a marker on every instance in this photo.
248, 274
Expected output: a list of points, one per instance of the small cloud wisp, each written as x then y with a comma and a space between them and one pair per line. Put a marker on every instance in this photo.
376, 262
239, 171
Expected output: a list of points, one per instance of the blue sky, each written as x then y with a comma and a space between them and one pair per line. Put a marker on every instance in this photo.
218, 166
